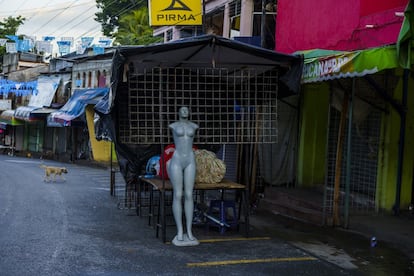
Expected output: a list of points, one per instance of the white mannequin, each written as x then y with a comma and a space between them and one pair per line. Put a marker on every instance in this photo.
182, 171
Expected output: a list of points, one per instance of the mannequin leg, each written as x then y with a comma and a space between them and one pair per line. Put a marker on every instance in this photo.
189, 179
176, 179
178, 213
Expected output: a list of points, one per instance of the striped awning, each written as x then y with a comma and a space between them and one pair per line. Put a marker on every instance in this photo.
8, 117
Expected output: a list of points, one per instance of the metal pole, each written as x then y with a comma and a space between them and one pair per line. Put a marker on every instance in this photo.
403, 115
348, 156
112, 184
338, 162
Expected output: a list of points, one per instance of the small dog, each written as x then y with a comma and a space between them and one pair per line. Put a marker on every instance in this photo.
49, 171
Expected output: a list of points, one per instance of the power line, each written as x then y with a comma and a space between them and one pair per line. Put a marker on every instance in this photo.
31, 12
24, 2
55, 16
110, 3
47, 4
44, 10
66, 25
96, 30
123, 11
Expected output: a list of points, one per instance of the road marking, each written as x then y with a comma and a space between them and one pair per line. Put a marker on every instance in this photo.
234, 239
267, 260
231, 239
22, 161
100, 188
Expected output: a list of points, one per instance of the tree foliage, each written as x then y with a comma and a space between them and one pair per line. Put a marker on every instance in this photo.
9, 26
134, 29
110, 11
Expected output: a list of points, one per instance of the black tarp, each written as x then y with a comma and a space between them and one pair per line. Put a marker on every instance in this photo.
203, 51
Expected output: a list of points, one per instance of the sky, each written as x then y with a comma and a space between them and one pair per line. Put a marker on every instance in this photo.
58, 18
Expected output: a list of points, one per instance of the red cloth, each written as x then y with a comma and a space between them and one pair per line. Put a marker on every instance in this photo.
165, 157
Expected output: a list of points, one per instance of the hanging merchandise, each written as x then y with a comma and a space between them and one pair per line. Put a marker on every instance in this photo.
18, 88
48, 38
86, 41
64, 47
24, 45
105, 42
98, 50
11, 47
44, 46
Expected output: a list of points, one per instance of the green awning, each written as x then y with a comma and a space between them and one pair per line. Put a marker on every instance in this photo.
405, 37
7, 117
348, 64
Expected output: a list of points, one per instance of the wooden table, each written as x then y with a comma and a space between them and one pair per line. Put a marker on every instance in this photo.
162, 186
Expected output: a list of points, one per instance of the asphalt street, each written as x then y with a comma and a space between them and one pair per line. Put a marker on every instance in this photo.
74, 227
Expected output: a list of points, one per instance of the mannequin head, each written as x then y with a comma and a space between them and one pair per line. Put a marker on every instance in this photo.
184, 112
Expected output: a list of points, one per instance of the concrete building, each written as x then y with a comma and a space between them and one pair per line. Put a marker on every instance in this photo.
237, 19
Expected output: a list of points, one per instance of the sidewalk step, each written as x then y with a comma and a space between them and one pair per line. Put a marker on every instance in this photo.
294, 203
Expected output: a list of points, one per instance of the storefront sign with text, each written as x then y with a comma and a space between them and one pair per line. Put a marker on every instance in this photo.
175, 12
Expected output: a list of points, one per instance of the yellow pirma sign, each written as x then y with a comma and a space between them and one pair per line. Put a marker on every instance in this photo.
175, 12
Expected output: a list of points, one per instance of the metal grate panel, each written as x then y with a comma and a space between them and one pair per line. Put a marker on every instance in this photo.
229, 106
364, 163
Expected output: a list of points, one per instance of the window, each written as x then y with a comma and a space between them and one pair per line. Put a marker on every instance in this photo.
214, 20
83, 79
169, 35
234, 13
269, 27
102, 79
78, 81
90, 79
190, 31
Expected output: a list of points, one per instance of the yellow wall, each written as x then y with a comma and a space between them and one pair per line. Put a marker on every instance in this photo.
313, 135
313, 141
388, 161
101, 150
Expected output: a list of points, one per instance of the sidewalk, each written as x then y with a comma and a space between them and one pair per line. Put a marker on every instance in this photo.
398, 231
348, 248
305, 205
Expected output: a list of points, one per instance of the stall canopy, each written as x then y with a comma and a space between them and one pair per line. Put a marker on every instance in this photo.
322, 65
405, 37
210, 51
75, 107
193, 54
7, 117
46, 89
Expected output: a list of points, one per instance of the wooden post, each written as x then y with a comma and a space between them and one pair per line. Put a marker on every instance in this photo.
339, 151
255, 156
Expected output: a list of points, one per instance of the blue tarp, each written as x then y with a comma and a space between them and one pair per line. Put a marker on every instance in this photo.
76, 105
